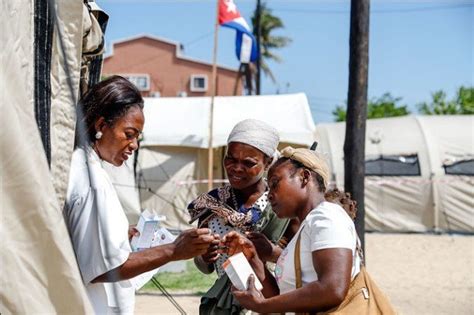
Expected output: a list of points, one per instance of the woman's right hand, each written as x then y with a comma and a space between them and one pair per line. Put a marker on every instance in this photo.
251, 299
191, 243
212, 253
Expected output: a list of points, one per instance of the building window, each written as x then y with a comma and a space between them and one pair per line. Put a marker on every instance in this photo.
198, 83
463, 167
141, 81
393, 165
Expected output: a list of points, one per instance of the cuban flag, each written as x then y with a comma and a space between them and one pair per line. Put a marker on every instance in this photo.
245, 43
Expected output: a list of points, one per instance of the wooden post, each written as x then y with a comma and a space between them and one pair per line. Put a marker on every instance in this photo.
238, 79
210, 155
354, 144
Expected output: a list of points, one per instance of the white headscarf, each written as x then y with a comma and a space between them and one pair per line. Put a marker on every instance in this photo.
256, 133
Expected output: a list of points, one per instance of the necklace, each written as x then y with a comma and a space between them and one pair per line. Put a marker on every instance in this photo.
234, 199
96, 149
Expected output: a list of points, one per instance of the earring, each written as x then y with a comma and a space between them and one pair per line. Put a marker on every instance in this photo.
98, 135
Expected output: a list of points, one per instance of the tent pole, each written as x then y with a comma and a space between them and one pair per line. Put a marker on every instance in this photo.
210, 164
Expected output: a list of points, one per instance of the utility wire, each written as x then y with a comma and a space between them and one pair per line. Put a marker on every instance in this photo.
197, 39
179, 54
379, 11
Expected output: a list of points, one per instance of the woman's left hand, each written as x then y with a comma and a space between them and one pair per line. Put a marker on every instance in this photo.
236, 243
265, 249
251, 299
132, 231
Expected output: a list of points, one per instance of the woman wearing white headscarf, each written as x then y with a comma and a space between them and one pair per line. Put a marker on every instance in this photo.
242, 205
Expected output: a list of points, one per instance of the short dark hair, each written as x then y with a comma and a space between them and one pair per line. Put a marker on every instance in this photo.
111, 99
297, 165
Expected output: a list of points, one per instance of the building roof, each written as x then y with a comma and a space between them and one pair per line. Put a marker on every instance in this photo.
179, 53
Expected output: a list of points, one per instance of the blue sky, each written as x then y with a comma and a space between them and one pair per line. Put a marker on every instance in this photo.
416, 47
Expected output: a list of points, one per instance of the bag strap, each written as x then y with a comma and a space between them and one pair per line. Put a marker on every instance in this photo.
298, 278
297, 258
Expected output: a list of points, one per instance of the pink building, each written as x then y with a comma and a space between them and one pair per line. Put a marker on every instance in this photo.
158, 68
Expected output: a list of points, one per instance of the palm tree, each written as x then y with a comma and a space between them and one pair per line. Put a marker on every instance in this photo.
248, 71
268, 42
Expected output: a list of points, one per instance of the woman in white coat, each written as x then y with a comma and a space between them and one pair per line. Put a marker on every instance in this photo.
111, 121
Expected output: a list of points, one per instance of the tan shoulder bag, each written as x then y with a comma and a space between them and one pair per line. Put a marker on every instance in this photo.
363, 297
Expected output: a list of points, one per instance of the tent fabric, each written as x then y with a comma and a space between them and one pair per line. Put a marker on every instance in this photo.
40, 273
173, 157
432, 201
63, 115
170, 177
450, 140
185, 121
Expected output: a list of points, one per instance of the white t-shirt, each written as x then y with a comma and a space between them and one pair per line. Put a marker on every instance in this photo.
327, 226
99, 232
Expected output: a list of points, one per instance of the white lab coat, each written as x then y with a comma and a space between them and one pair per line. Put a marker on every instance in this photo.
99, 232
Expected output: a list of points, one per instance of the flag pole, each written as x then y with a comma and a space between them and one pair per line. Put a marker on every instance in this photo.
210, 175
258, 35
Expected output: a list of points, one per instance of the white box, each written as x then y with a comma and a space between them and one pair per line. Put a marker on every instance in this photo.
238, 270
151, 235
147, 226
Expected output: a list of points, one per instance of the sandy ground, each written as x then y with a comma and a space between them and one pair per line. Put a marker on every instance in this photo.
421, 274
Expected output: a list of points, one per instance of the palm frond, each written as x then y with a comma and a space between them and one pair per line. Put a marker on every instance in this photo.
269, 23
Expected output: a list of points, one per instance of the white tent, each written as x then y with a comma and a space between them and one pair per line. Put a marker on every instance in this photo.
39, 270
422, 171
180, 121
172, 161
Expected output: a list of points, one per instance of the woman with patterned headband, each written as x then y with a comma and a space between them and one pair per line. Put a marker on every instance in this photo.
242, 206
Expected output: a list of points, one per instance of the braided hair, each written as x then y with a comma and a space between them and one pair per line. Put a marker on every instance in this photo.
343, 199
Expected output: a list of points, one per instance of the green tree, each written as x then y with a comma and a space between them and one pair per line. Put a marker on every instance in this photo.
462, 104
269, 42
340, 113
384, 106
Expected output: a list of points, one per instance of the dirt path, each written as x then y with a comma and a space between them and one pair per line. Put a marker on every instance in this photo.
421, 274
159, 304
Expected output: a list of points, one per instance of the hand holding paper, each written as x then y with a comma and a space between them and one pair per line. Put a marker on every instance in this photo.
132, 231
